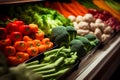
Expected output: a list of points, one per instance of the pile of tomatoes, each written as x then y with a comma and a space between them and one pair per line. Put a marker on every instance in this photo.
20, 41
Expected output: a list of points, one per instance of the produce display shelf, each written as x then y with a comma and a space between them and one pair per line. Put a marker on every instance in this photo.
2, 2
101, 64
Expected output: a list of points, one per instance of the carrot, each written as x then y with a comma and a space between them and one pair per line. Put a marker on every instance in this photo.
69, 7
80, 7
73, 5
101, 4
60, 9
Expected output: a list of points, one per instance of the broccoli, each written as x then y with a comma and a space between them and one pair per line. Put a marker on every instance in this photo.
72, 32
94, 42
77, 46
63, 35
90, 37
59, 35
86, 42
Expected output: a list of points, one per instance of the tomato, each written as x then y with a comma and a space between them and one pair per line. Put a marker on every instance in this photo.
11, 27
33, 27
3, 33
12, 60
42, 48
20, 45
9, 50
47, 42
50, 45
25, 29
22, 56
39, 35
18, 22
16, 36
30, 44
32, 51
14, 26
37, 42
5, 42
27, 38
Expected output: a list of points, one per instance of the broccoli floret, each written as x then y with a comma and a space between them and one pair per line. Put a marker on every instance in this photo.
60, 36
90, 37
86, 42
77, 46
72, 32
94, 42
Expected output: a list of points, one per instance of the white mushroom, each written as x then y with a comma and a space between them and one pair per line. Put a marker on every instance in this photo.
92, 26
104, 37
72, 18
82, 32
98, 21
98, 33
75, 23
79, 18
108, 30
90, 32
100, 26
76, 27
83, 25
88, 17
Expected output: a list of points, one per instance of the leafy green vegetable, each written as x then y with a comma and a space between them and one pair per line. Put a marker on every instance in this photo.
45, 18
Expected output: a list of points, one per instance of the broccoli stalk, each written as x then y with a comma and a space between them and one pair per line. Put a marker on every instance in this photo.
72, 32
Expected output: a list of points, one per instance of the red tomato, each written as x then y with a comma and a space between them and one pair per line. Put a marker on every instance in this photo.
5, 42
25, 29
9, 50
3, 33
11, 27
16, 36
18, 22
20, 45
39, 35
22, 56
12, 60
34, 27
32, 51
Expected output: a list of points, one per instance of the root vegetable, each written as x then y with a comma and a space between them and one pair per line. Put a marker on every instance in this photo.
98, 33
82, 32
104, 37
108, 30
